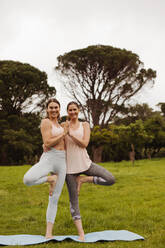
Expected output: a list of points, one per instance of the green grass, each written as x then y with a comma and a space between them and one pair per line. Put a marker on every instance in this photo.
135, 203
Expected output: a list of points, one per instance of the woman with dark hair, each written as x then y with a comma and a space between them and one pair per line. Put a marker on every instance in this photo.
53, 161
78, 162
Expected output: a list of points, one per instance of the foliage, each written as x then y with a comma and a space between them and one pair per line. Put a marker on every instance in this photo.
102, 79
102, 136
117, 140
20, 139
23, 92
22, 86
162, 106
131, 113
155, 127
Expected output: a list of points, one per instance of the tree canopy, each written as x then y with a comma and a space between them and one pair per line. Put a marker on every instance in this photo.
102, 79
22, 85
162, 106
132, 113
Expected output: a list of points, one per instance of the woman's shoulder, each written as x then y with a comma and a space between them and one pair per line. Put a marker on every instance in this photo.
45, 122
85, 124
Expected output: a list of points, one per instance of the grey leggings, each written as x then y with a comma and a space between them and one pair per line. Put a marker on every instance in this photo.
52, 161
100, 175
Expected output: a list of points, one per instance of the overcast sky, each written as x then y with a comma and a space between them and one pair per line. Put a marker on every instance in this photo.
37, 31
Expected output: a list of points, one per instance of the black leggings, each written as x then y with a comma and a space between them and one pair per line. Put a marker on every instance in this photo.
100, 175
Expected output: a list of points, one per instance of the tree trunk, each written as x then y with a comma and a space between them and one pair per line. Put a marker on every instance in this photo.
132, 154
4, 159
149, 154
97, 154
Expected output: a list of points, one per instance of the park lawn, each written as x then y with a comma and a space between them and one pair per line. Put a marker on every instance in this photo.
136, 202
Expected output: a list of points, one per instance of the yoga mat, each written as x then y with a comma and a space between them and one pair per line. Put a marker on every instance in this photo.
108, 235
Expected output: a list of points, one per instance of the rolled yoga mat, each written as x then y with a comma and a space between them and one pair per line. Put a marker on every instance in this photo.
108, 235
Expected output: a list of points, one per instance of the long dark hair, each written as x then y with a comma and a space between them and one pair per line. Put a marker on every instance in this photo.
52, 100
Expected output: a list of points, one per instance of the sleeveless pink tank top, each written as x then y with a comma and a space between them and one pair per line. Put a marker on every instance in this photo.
77, 157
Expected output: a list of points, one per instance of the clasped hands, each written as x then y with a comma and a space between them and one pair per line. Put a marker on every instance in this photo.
66, 132
66, 128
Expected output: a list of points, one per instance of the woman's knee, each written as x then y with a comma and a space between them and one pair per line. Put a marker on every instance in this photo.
27, 180
108, 180
111, 180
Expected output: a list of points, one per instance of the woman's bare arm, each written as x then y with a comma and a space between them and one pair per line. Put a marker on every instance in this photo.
47, 137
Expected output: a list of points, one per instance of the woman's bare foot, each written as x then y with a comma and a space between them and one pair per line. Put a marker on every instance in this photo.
48, 236
49, 230
83, 179
81, 237
78, 224
52, 181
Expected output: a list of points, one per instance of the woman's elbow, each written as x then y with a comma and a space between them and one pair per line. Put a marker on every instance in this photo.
47, 143
85, 144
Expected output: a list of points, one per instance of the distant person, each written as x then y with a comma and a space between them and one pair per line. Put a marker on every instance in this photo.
53, 161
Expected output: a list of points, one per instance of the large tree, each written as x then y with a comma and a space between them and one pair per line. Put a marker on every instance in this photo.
132, 113
22, 86
102, 79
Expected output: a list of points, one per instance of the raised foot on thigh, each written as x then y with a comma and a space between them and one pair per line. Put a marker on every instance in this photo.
79, 180
52, 183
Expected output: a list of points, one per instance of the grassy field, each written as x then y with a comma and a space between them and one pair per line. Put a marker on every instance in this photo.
135, 203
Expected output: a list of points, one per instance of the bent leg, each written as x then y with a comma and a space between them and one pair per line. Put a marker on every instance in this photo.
100, 175
37, 174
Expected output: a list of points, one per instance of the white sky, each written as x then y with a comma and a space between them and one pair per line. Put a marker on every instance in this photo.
37, 31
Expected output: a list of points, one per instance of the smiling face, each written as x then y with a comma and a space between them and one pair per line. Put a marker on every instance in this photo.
73, 111
53, 110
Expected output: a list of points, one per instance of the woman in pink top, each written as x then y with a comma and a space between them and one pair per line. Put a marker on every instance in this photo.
78, 162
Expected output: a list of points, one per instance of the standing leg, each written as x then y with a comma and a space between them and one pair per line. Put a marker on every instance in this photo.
60, 170
74, 204
38, 174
